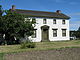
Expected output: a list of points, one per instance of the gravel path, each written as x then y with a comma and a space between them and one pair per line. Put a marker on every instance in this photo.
57, 54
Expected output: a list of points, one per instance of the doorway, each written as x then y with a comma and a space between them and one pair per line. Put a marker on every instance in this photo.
45, 33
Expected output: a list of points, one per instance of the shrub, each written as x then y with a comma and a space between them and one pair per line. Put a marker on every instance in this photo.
30, 45
23, 45
27, 44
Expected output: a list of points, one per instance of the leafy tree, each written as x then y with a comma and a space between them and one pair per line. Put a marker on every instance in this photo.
79, 29
1, 10
13, 25
77, 33
1, 18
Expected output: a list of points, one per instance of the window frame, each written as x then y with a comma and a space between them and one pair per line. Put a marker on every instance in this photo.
44, 21
54, 34
54, 21
64, 33
26, 19
34, 20
63, 21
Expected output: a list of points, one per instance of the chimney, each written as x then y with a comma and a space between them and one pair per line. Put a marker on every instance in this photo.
58, 11
13, 7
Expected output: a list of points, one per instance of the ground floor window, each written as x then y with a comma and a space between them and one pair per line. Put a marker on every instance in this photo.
34, 34
54, 32
63, 32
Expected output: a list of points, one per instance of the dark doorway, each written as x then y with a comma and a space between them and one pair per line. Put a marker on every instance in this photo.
45, 33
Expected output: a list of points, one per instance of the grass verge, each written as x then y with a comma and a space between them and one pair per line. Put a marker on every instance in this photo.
39, 46
1, 56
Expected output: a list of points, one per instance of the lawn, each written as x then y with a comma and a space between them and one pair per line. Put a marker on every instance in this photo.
39, 46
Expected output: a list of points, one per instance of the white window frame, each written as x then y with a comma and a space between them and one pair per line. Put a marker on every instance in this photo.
54, 21
44, 21
54, 32
63, 32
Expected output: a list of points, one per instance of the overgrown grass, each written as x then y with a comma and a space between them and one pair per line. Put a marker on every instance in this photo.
39, 46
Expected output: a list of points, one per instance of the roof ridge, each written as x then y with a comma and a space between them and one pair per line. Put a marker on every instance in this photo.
36, 11
42, 13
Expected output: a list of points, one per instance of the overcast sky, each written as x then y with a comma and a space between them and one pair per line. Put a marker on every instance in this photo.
68, 7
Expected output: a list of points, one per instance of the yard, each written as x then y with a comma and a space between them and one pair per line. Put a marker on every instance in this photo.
40, 46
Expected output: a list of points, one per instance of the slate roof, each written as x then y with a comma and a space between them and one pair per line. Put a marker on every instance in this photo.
31, 13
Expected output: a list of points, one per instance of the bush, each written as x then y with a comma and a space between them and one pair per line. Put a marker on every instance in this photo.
23, 45
27, 44
30, 45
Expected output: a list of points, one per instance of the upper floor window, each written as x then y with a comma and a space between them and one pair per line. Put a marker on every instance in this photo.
63, 22
63, 32
54, 21
27, 19
44, 21
54, 32
33, 20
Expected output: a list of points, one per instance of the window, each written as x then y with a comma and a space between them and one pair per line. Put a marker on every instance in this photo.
54, 32
33, 20
63, 32
34, 34
44, 21
54, 21
63, 21
27, 19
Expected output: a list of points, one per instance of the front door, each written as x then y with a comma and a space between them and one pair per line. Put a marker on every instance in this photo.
45, 34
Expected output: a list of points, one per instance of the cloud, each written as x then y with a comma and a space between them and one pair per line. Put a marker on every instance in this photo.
74, 25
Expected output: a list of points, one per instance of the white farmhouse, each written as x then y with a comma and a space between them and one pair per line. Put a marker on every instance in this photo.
50, 26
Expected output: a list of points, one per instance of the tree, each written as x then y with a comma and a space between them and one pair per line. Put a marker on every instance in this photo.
79, 29
1, 10
13, 25
77, 33
1, 18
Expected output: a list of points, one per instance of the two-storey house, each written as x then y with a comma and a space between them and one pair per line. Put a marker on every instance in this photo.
50, 26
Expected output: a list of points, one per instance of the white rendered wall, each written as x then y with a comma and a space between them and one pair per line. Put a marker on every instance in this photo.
59, 26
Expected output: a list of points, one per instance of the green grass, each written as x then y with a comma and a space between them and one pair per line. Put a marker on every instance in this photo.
1, 56
39, 46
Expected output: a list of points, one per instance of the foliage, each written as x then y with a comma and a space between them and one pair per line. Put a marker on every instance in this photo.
27, 44
77, 34
1, 56
14, 25
79, 29
1, 11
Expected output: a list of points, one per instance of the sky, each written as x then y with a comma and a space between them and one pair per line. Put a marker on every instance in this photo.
68, 7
